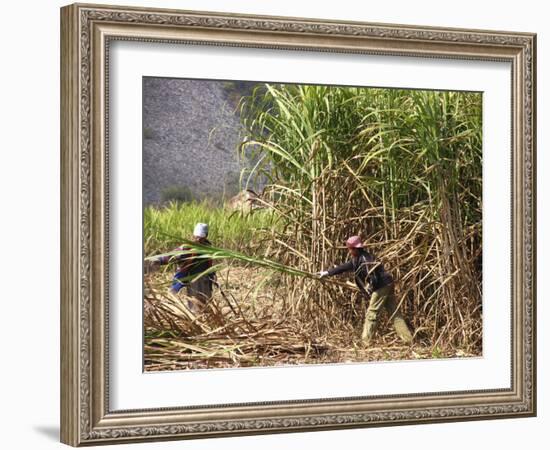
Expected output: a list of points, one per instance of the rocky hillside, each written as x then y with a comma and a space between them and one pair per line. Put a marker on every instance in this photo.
190, 139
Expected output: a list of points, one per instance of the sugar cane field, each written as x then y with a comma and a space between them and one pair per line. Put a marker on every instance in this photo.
309, 167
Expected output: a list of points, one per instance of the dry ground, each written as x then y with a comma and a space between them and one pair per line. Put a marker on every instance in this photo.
250, 325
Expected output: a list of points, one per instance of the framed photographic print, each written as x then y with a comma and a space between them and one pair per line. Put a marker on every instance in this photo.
275, 224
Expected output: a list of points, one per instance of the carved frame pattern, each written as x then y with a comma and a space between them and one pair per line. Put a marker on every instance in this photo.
78, 394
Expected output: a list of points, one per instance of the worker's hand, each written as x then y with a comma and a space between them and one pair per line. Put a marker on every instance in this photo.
322, 274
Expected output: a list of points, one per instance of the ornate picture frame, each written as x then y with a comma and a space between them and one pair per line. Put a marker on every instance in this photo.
87, 31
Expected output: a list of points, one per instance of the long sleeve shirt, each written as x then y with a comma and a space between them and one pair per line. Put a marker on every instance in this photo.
367, 271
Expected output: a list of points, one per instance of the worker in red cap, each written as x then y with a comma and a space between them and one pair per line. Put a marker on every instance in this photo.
374, 282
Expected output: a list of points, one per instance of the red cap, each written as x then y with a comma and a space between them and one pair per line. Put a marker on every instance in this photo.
354, 242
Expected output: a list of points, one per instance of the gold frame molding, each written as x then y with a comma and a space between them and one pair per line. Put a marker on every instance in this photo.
86, 31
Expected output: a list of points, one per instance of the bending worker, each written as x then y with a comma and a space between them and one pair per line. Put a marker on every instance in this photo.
374, 282
189, 265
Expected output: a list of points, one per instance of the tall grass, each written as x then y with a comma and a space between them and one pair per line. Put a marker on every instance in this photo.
165, 227
401, 168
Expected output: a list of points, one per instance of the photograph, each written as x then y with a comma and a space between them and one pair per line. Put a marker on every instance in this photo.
289, 224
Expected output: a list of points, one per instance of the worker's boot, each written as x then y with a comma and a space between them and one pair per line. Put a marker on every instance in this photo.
402, 330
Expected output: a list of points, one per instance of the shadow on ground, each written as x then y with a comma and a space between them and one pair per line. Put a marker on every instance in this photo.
51, 432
